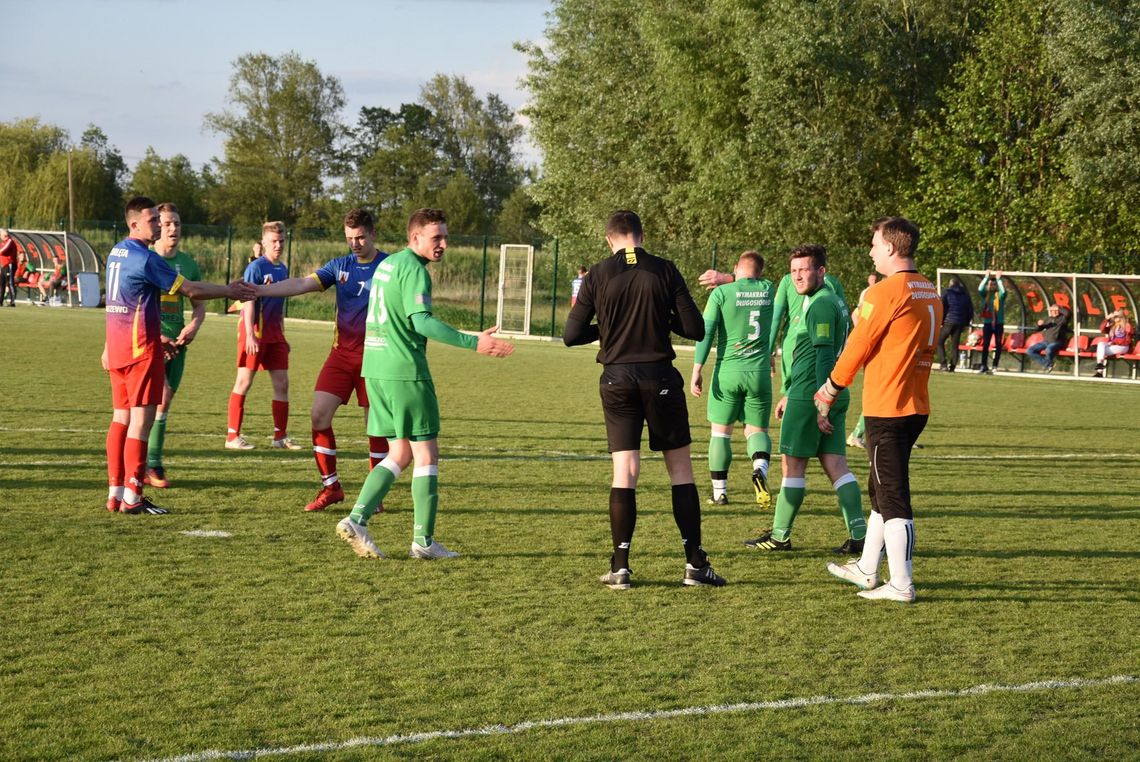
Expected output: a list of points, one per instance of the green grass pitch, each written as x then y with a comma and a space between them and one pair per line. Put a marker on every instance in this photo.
126, 638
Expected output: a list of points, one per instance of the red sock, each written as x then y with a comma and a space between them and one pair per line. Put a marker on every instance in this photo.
280, 419
377, 451
324, 451
116, 437
134, 463
236, 413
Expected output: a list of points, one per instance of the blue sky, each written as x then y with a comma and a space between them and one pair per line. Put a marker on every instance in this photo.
78, 62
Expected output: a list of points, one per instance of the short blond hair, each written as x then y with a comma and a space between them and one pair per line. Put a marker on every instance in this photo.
273, 227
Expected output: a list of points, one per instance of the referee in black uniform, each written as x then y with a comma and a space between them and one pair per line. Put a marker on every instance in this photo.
638, 299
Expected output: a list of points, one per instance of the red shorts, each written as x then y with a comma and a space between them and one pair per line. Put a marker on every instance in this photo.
139, 384
273, 356
340, 375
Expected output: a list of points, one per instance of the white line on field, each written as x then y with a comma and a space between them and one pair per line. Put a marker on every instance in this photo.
206, 533
691, 711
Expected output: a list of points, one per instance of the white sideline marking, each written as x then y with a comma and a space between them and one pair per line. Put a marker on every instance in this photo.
206, 533
691, 711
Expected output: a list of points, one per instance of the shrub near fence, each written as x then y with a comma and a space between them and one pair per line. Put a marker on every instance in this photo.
465, 282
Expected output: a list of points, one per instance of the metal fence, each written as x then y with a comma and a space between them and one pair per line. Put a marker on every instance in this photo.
465, 282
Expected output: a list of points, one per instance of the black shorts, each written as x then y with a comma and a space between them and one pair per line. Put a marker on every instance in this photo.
635, 394
889, 444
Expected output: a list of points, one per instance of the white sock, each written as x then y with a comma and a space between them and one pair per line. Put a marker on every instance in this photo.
899, 537
720, 487
872, 544
761, 465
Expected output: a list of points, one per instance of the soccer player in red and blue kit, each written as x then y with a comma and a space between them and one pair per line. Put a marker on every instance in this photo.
352, 277
136, 277
261, 344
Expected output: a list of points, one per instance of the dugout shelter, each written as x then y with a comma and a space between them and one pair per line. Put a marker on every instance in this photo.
1088, 297
43, 248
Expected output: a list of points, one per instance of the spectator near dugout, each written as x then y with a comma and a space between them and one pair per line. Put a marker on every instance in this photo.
958, 311
993, 317
1055, 334
50, 282
8, 263
1119, 332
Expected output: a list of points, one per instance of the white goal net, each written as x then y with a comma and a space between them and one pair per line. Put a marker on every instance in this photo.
516, 285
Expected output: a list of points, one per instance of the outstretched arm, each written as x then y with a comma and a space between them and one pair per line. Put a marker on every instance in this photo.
484, 343
290, 287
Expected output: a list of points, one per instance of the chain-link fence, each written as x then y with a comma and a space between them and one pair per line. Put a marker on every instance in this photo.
465, 282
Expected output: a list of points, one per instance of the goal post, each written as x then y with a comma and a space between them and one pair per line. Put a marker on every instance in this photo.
516, 288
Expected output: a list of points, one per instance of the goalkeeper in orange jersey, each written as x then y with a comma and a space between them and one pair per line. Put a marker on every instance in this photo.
894, 342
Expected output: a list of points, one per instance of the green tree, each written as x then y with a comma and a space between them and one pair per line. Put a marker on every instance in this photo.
391, 153
33, 182
108, 184
991, 164
604, 132
173, 179
1096, 50
24, 145
466, 212
774, 121
280, 139
518, 219
474, 136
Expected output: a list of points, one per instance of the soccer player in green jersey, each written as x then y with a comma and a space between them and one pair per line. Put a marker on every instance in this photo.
401, 395
787, 311
738, 315
811, 349
176, 334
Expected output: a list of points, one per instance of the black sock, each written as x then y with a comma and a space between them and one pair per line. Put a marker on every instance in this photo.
623, 517
718, 474
764, 455
687, 514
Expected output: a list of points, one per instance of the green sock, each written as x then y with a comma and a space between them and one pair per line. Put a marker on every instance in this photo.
425, 504
858, 430
375, 487
720, 453
851, 506
154, 444
787, 506
759, 442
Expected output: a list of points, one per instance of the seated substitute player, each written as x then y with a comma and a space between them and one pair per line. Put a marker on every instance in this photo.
132, 354
402, 401
261, 344
894, 341
177, 334
738, 316
813, 346
639, 299
351, 275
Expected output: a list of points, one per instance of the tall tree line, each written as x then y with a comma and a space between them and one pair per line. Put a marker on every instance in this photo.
287, 155
1006, 126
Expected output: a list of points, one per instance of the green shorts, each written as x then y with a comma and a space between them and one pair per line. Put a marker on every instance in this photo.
174, 368
741, 396
800, 437
402, 409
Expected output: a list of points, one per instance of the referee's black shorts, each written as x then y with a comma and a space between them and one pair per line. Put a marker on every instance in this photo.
634, 394
889, 443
